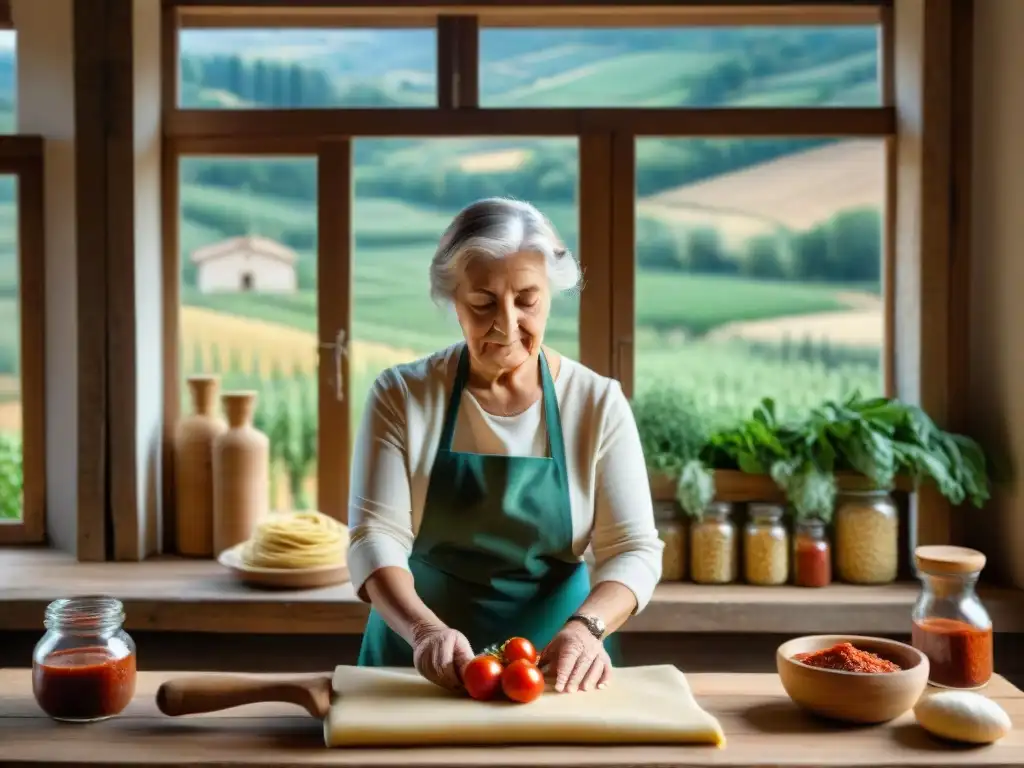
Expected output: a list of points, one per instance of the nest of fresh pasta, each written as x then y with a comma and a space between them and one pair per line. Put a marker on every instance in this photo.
296, 540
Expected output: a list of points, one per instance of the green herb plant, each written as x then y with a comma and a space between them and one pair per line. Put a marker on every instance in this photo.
879, 438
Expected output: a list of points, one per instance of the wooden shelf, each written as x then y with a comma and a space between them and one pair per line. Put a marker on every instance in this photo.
740, 487
199, 596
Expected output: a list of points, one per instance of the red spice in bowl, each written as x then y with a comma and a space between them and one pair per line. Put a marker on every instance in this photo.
844, 657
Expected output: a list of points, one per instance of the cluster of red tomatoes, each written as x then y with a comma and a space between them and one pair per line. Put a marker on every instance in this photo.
510, 668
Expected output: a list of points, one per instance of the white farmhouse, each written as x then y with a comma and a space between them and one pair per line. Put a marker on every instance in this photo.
245, 264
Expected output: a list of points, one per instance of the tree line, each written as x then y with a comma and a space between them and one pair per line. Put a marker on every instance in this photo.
844, 249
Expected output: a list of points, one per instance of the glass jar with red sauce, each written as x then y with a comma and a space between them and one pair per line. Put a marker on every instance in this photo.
950, 624
83, 668
812, 555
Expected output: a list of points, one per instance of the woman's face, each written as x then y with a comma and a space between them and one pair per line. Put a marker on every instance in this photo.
503, 306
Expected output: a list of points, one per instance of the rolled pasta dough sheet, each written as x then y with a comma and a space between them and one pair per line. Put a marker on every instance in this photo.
396, 707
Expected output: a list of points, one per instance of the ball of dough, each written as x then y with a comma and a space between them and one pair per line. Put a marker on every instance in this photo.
962, 716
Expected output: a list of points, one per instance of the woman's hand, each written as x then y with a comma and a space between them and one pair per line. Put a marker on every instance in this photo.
440, 653
577, 659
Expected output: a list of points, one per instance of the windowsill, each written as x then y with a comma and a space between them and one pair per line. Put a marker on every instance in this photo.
171, 594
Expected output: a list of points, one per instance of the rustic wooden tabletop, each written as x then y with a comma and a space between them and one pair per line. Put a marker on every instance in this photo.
762, 728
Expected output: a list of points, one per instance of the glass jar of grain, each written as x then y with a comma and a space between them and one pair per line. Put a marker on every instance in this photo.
866, 537
765, 546
672, 532
713, 546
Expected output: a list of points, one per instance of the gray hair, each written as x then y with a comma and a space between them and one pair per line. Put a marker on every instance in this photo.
498, 227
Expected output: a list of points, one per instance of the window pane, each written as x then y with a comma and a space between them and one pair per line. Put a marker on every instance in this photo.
248, 294
11, 496
307, 68
684, 66
407, 192
8, 81
759, 271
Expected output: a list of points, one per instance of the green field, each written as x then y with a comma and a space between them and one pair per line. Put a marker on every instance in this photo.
392, 305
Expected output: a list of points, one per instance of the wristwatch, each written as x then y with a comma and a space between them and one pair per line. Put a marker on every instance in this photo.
594, 624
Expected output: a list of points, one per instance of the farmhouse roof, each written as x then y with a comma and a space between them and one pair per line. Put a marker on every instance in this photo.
251, 244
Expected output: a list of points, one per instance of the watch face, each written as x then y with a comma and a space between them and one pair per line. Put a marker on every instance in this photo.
594, 624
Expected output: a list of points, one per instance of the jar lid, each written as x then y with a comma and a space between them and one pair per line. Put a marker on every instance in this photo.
718, 509
665, 511
762, 509
811, 523
949, 560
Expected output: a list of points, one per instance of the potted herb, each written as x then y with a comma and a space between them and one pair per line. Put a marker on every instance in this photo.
854, 444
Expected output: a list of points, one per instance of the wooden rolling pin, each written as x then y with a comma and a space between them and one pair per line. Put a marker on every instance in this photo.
196, 694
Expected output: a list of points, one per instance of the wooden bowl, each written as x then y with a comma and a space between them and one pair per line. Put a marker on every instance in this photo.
853, 697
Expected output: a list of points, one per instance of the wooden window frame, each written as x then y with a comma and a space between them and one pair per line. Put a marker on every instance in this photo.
21, 156
607, 175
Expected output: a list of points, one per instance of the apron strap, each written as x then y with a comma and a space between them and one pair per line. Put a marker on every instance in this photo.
552, 418
452, 414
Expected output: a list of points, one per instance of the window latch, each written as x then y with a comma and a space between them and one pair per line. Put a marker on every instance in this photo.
339, 347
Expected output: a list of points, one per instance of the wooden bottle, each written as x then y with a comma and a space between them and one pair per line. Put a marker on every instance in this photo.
241, 474
193, 469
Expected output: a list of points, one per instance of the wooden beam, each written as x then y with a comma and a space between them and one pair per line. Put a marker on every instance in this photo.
595, 242
924, 287
32, 300
122, 319
91, 222
621, 16
303, 18
958, 415
15, 149
170, 281
348, 123
335, 192
961, 142
887, 84
623, 234
27, 168
458, 62
621, 6
227, 146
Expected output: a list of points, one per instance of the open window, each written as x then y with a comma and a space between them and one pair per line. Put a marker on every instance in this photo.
727, 176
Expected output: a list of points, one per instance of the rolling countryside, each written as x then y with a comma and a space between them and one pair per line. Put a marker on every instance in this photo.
758, 260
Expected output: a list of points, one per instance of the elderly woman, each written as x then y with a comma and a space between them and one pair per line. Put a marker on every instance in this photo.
483, 472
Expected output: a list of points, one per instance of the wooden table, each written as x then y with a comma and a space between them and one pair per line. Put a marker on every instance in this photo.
762, 728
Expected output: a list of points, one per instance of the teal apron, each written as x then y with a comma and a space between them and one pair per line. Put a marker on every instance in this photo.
493, 557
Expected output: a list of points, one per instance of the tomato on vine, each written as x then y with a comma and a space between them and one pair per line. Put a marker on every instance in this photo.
482, 677
522, 681
519, 648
